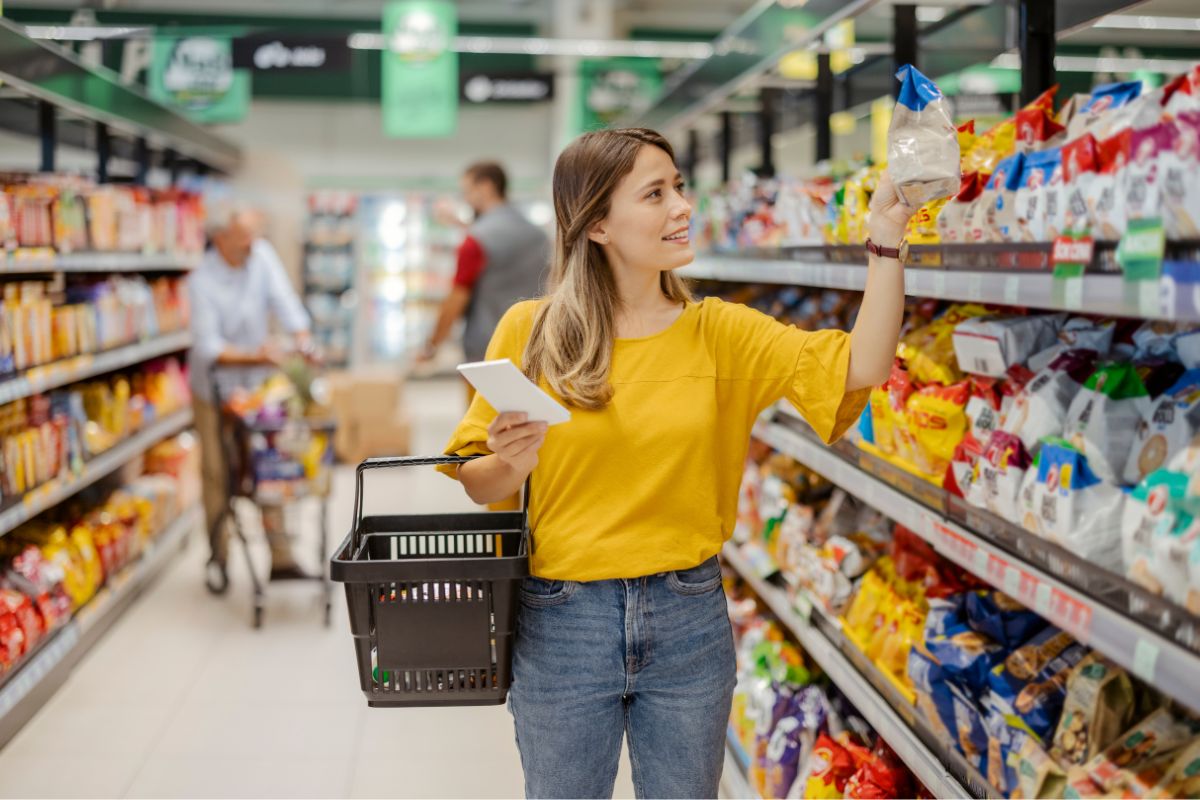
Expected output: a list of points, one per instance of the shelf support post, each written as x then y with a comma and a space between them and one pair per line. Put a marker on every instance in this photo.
103, 152
48, 133
768, 120
691, 156
904, 40
142, 156
1036, 31
725, 145
824, 108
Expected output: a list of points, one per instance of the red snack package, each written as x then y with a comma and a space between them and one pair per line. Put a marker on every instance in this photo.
17, 605
1111, 211
1036, 128
829, 769
1079, 164
12, 641
880, 774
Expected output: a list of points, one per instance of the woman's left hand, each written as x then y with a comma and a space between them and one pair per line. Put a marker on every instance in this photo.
887, 217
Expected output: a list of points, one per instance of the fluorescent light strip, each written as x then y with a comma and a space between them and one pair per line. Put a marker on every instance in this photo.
81, 33
1142, 22
555, 47
1099, 64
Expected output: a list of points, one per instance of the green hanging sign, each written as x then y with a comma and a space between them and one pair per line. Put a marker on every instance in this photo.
420, 69
609, 88
1140, 254
196, 75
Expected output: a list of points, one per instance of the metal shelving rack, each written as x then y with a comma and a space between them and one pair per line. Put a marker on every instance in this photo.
52, 95
906, 733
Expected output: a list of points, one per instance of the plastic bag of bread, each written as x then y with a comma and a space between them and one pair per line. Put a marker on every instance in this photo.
923, 154
1100, 705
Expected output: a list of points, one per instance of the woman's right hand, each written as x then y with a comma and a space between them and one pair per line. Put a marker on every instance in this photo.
516, 441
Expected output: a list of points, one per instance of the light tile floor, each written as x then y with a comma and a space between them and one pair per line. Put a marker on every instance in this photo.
183, 699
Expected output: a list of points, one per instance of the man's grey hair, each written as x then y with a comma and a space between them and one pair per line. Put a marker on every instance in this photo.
220, 214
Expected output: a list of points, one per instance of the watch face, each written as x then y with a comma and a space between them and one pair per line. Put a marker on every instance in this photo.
904, 251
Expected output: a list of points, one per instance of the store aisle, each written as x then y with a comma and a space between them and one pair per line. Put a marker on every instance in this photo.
183, 699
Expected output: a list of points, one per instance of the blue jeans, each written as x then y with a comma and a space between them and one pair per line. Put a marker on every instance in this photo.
648, 658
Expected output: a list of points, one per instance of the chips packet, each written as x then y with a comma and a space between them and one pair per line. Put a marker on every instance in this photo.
1080, 165
993, 217
952, 221
1110, 210
1076, 509
1031, 682
1159, 734
1040, 410
937, 421
1142, 180
1100, 705
1102, 421
991, 345
1181, 179
1102, 100
1001, 618
923, 153
1032, 198
1171, 422
828, 770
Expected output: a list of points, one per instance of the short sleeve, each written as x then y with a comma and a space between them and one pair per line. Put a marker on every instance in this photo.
508, 341
471, 261
771, 361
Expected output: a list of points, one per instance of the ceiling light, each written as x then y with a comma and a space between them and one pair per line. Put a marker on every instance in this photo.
82, 33
930, 13
555, 47
1143, 22
1102, 64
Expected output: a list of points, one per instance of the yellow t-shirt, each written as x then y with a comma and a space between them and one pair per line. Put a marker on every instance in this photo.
650, 483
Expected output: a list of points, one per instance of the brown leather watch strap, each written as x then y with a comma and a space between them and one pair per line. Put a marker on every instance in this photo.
882, 252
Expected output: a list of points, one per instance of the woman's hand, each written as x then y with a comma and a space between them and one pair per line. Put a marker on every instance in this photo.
887, 217
516, 441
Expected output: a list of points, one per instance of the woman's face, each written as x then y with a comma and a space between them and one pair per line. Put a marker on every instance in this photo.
647, 223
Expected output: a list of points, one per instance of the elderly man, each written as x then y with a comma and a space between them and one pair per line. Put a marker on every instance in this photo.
238, 287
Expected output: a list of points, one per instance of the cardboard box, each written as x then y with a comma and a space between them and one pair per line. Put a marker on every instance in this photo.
361, 440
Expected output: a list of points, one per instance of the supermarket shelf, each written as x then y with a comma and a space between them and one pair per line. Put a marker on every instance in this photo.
735, 784
30, 685
876, 710
95, 262
1142, 650
51, 494
60, 373
1094, 293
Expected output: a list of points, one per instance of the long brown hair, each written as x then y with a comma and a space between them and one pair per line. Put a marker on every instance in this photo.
572, 339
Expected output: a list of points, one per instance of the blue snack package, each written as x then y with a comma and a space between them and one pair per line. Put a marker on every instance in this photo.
1111, 95
944, 614
1002, 619
965, 656
1031, 683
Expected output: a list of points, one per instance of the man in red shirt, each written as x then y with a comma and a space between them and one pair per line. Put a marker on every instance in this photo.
502, 260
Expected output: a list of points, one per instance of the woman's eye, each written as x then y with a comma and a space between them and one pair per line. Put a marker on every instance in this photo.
655, 193
679, 187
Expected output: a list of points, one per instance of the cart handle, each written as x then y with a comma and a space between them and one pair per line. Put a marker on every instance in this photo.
389, 462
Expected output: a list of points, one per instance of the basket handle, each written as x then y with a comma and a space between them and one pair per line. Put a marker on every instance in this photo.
389, 462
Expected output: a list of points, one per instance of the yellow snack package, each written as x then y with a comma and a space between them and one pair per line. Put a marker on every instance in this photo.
991, 147
928, 351
937, 419
882, 423
862, 609
853, 220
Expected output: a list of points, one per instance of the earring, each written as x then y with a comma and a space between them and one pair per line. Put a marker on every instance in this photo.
606, 240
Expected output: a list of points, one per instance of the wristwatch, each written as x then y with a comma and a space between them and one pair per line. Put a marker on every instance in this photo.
899, 253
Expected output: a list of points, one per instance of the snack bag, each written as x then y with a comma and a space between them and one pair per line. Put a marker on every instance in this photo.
992, 212
1102, 421
1099, 705
1180, 166
923, 154
1031, 682
1000, 473
829, 769
952, 221
1103, 99
1004, 740
1032, 200
937, 421
1036, 127
1110, 210
964, 656
991, 147
999, 617
1080, 165
1142, 180
928, 351
1159, 734
793, 740
991, 345
1151, 512
880, 774
1038, 775
1079, 333
1075, 508
1040, 410
1182, 777
1166, 428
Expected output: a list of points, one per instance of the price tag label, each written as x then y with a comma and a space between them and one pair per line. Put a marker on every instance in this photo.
1149, 294
1042, 598
980, 560
1145, 659
1012, 289
803, 606
939, 284
975, 286
910, 283
1073, 293
1012, 582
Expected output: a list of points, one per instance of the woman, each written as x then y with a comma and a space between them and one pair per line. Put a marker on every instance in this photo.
624, 630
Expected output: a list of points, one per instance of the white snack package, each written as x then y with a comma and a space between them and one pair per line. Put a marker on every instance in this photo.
990, 345
1040, 409
1103, 419
1075, 508
923, 154
1169, 425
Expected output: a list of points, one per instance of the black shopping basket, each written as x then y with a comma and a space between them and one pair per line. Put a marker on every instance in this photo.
432, 599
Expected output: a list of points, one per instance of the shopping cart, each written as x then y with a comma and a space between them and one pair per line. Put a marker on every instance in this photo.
432, 599
265, 465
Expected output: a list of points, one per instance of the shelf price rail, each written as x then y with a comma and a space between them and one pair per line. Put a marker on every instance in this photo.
884, 716
1131, 643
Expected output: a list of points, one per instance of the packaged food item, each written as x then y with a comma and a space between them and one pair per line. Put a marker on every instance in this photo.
1142, 180
1102, 101
991, 147
999, 474
880, 773
928, 351
1102, 422
1036, 126
1002, 619
1166, 428
1032, 201
1031, 682
1040, 410
1080, 164
1079, 333
793, 739
992, 213
1180, 165
1159, 734
991, 345
1182, 777
952, 220
1100, 705
937, 421
1038, 775
1110, 209
923, 154
965, 657
829, 770
1074, 508
1150, 512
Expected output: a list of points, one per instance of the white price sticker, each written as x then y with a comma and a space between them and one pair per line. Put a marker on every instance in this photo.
1149, 298
1073, 293
1012, 581
981, 562
1145, 659
1011, 289
975, 286
1041, 603
803, 606
939, 284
